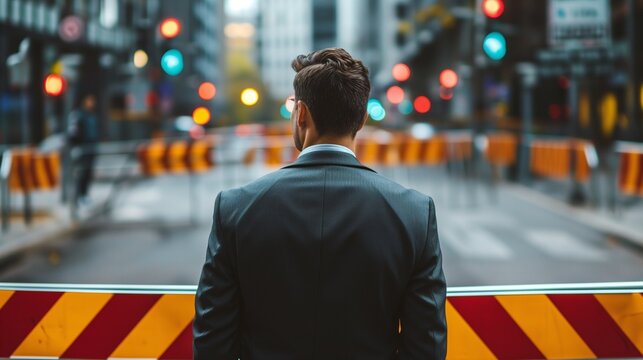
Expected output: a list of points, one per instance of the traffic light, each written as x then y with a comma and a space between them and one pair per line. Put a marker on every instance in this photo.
493, 8
54, 84
172, 58
172, 62
170, 28
494, 43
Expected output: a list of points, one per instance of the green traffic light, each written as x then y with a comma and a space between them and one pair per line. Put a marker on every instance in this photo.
172, 62
495, 45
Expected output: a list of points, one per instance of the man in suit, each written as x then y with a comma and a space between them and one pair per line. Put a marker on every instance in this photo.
323, 259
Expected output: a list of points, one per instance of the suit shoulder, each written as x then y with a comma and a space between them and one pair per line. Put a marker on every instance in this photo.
236, 201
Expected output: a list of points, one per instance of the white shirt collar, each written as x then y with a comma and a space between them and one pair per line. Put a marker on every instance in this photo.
327, 147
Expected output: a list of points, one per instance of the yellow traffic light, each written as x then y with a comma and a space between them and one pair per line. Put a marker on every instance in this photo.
249, 97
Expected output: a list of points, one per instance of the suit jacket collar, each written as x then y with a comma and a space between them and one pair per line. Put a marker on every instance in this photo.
336, 158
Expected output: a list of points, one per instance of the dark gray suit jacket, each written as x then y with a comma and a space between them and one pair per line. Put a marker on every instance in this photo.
322, 260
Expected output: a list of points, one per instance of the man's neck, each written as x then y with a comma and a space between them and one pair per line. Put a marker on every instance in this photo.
346, 141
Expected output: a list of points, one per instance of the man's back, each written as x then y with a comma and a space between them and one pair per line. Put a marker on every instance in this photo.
323, 259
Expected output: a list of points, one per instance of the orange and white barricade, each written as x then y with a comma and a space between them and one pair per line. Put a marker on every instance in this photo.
630, 170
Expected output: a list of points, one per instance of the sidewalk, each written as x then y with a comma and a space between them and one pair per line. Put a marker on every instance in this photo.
624, 223
53, 220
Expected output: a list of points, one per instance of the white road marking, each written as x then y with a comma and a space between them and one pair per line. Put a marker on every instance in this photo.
474, 243
564, 246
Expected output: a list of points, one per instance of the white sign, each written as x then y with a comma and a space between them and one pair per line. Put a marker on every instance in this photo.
575, 24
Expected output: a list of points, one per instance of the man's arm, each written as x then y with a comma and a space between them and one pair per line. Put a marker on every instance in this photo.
216, 322
424, 331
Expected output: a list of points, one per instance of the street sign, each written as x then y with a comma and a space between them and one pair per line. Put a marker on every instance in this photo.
71, 28
577, 24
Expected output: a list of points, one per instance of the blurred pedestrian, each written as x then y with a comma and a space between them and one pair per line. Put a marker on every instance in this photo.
324, 258
82, 134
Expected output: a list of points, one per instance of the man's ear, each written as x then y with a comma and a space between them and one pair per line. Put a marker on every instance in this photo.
302, 114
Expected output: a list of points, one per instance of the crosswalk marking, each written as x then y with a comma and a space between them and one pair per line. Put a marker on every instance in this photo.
475, 243
562, 245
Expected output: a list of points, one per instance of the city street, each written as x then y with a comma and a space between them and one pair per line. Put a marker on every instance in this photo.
487, 238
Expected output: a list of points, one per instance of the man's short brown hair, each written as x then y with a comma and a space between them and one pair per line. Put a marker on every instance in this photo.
335, 87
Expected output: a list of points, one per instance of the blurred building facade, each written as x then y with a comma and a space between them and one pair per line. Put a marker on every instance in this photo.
91, 44
70, 38
590, 90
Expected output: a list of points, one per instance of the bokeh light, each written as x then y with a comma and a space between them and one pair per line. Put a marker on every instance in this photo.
207, 91
140, 58
395, 94
172, 62
422, 104
283, 111
401, 72
448, 78
170, 28
249, 97
405, 107
201, 115
54, 84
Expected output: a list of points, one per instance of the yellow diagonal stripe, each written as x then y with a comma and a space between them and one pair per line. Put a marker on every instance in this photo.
545, 326
62, 324
158, 328
4, 297
462, 341
627, 312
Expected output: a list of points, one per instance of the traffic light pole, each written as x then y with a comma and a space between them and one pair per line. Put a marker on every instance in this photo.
528, 74
634, 84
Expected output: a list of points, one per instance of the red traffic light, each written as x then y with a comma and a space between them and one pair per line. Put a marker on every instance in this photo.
493, 8
170, 28
448, 78
422, 104
54, 85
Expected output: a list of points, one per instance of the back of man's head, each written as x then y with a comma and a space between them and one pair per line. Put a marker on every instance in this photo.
335, 87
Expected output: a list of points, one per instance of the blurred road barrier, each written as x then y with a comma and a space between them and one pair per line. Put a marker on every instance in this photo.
178, 157
563, 159
501, 149
630, 173
26, 170
493, 322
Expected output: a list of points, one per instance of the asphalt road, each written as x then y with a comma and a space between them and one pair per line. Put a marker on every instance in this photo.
487, 237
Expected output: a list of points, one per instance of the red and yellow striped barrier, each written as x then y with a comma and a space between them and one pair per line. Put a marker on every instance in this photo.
552, 159
31, 170
630, 175
105, 324
158, 157
501, 149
